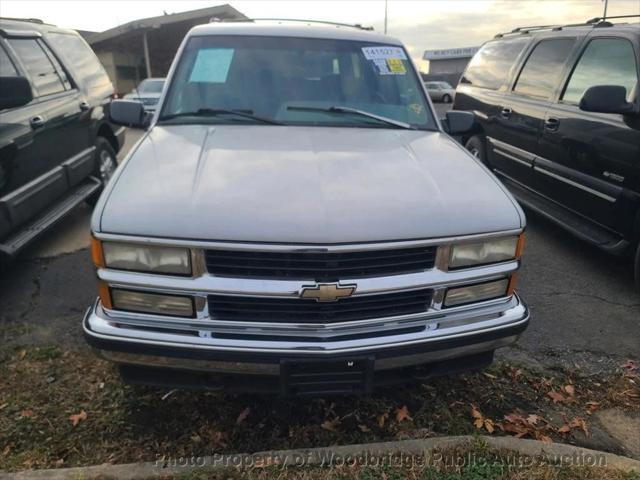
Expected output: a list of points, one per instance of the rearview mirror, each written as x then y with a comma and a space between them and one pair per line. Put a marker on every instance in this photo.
457, 122
606, 99
128, 113
14, 92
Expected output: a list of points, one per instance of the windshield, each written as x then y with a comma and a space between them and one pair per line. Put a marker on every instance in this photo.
295, 81
150, 86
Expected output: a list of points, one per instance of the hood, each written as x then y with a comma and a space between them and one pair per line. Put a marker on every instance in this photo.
319, 185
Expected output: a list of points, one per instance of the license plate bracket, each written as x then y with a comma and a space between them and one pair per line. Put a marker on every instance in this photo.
331, 376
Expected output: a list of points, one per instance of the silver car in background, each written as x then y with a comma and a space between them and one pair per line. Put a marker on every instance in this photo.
296, 219
148, 93
440, 91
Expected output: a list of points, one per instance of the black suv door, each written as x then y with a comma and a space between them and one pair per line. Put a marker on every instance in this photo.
519, 123
57, 120
590, 162
41, 135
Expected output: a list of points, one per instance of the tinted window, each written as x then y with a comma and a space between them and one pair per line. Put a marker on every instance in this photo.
80, 56
489, 67
277, 77
6, 65
44, 77
541, 73
606, 61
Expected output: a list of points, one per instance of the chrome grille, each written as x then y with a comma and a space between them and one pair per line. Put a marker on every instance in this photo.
302, 310
319, 266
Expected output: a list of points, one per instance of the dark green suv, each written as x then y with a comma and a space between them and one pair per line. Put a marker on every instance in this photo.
57, 148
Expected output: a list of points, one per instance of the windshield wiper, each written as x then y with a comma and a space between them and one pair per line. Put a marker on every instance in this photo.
212, 112
341, 109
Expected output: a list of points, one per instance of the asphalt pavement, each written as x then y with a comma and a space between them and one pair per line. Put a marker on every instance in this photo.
585, 311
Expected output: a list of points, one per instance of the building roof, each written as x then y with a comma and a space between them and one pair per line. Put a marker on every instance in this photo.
221, 11
294, 29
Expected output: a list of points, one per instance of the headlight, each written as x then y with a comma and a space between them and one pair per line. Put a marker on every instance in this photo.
155, 303
476, 293
482, 253
142, 258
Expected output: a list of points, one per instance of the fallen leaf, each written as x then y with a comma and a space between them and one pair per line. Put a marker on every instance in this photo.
58, 463
243, 415
488, 425
488, 375
78, 417
564, 429
6, 450
382, 419
3, 406
556, 397
546, 439
22, 354
577, 422
592, 407
364, 428
330, 424
570, 390
475, 413
403, 414
629, 365
27, 413
533, 419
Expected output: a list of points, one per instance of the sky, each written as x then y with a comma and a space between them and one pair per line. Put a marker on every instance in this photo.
419, 24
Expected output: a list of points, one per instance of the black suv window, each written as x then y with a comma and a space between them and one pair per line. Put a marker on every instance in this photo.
79, 54
489, 67
6, 65
605, 61
43, 69
541, 73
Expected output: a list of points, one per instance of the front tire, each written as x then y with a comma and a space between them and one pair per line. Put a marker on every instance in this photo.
477, 147
106, 164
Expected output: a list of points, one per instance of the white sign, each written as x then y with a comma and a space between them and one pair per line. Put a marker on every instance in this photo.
383, 53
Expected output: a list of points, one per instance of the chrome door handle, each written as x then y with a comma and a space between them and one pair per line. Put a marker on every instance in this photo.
37, 122
551, 123
84, 106
506, 112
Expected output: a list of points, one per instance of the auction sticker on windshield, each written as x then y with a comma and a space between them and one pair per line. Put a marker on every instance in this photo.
388, 60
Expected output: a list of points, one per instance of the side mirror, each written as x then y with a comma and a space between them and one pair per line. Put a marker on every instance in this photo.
457, 122
606, 99
128, 113
14, 92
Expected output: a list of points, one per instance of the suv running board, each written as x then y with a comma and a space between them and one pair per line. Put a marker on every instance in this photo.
567, 219
16, 241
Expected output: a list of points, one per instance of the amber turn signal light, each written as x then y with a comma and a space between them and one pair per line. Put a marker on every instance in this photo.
520, 246
96, 252
104, 294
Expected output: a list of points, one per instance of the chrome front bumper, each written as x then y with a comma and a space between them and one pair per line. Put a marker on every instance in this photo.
460, 332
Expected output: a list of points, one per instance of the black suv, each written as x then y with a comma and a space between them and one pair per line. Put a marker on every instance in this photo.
558, 115
57, 148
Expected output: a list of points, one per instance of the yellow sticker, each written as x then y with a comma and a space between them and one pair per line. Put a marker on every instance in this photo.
416, 107
396, 66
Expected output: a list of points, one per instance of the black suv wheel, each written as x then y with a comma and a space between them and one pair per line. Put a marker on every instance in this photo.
106, 164
476, 146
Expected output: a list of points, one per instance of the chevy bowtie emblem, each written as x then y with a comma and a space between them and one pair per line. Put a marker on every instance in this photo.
327, 292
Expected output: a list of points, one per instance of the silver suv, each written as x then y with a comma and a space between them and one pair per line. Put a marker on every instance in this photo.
296, 219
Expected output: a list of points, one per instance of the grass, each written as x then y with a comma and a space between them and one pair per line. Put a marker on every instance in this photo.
44, 391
